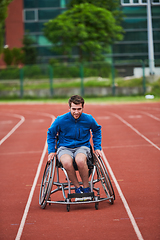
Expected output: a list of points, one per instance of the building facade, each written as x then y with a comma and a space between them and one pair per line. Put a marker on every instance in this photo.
32, 14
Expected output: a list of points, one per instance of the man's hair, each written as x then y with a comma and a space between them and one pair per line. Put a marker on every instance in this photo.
76, 99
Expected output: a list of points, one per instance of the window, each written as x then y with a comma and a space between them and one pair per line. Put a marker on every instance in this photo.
47, 14
43, 41
30, 15
134, 23
135, 36
135, 49
48, 3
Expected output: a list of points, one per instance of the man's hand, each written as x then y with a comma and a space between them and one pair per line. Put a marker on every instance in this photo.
51, 156
98, 153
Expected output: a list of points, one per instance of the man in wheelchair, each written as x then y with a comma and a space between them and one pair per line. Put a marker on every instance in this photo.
73, 129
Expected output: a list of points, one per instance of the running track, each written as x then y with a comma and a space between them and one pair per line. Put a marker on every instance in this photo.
131, 147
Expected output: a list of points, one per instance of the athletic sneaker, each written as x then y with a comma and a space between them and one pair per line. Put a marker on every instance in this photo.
78, 190
87, 190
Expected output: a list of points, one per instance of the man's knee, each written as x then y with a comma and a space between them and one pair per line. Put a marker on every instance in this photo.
81, 160
66, 161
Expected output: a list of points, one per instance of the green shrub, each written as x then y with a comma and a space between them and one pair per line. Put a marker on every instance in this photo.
9, 73
135, 82
36, 71
8, 56
156, 88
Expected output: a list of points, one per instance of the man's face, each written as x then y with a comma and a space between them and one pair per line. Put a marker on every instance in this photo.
76, 110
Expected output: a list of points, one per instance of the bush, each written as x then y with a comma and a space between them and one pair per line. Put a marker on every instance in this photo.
8, 56
156, 88
13, 56
36, 71
9, 73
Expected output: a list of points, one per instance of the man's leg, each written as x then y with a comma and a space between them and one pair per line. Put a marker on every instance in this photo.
81, 161
67, 162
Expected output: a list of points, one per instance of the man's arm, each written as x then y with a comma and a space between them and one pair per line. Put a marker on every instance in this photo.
96, 132
52, 136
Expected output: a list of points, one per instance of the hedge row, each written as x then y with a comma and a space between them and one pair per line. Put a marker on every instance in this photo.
59, 71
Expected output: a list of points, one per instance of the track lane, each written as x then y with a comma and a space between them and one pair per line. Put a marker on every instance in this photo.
22, 119
20, 230
18, 170
142, 170
109, 221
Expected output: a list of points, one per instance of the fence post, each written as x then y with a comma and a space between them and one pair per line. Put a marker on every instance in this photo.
51, 80
144, 78
113, 78
82, 79
21, 82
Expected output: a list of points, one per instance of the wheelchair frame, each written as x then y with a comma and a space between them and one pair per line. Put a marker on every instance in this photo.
51, 172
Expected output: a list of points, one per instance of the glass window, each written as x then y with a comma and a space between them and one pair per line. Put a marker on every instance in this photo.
34, 26
34, 38
29, 3
156, 22
46, 51
157, 49
42, 40
134, 23
156, 35
30, 27
155, 10
67, 2
138, 11
48, 3
131, 48
45, 3
30, 15
48, 14
155, 1
135, 36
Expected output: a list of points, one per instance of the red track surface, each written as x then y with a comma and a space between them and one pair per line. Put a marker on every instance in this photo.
131, 144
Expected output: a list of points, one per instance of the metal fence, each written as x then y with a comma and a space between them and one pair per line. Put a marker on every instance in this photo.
87, 79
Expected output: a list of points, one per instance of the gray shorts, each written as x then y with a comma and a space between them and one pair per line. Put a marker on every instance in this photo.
73, 152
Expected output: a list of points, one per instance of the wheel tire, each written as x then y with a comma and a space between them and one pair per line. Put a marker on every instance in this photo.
46, 184
105, 179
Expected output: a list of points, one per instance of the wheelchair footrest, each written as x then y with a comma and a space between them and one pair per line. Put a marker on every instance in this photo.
81, 195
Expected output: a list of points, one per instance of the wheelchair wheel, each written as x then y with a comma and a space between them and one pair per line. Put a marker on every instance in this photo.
46, 184
103, 176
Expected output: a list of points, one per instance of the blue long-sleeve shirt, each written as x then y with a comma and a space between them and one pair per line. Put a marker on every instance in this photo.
74, 132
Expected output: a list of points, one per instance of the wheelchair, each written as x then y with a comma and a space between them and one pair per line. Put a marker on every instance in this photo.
51, 184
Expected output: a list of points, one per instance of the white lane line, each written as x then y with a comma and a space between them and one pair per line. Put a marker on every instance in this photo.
27, 152
6, 122
130, 215
128, 146
152, 116
14, 128
135, 130
21, 227
135, 116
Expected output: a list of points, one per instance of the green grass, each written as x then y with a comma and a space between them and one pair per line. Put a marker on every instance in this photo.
33, 84
90, 100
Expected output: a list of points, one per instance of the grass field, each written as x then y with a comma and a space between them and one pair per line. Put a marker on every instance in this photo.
109, 100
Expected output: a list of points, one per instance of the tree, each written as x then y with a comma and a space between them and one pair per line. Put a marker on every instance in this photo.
92, 29
110, 5
18, 56
8, 56
3, 14
30, 53
13, 56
